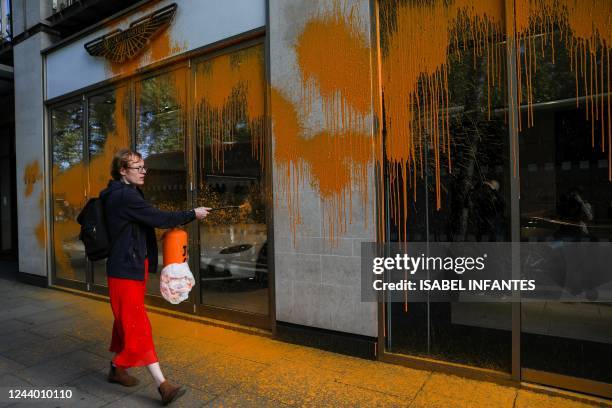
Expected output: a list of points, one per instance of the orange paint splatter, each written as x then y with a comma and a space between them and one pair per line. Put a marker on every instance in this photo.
422, 35
334, 58
333, 55
31, 176
68, 199
71, 185
41, 231
420, 39
116, 139
324, 159
286, 129
229, 89
160, 46
585, 27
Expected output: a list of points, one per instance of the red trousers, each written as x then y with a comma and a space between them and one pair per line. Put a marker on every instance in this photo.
132, 337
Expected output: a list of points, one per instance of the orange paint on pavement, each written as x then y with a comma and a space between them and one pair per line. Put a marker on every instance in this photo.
273, 372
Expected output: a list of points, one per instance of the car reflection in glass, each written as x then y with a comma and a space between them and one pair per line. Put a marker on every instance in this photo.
243, 260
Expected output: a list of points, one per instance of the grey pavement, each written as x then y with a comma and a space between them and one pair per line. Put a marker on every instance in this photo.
51, 338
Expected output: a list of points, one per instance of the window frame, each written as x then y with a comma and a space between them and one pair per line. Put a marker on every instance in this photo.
184, 61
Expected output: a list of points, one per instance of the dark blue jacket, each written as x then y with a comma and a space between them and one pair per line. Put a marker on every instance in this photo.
125, 206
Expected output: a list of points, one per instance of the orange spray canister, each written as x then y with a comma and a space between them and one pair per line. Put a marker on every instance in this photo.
175, 246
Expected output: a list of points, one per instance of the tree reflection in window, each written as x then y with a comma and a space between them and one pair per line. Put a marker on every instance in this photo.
67, 136
68, 187
101, 121
108, 126
160, 116
160, 129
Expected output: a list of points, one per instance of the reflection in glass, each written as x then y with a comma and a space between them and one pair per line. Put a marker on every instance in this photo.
68, 191
565, 196
456, 191
160, 130
475, 209
108, 132
233, 249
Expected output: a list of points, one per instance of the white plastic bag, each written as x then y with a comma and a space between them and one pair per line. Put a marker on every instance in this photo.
175, 282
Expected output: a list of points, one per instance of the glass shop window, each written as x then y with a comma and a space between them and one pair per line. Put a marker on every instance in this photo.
108, 131
566, 196
160, 138
229, 107
68, 186
447, 163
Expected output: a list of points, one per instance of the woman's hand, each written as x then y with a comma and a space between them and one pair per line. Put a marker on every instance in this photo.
201, 212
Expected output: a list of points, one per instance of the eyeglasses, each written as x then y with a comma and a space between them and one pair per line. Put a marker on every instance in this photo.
141, 169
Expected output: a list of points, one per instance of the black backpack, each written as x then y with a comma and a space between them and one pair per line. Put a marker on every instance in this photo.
94, 233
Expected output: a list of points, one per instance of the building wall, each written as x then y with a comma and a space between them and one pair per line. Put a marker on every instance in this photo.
71, 68
28, 13
321, 219
195, 25
31, 154
317, 269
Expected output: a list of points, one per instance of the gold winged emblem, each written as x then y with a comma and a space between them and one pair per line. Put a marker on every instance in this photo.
119, 46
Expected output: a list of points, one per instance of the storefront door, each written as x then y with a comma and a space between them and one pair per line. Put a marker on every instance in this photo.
200, 127
232, 258
161, 124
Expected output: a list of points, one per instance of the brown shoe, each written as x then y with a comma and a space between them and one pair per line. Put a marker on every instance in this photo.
121, 376
169, 392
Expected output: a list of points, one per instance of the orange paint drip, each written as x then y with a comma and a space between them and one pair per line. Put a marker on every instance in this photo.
68, 198
586, 30
69, 186
286, 127
160, 46
333, 55
31, 176
228, 91
115, 140
378, 135
334, 58
40, 232
324, 160
420, 39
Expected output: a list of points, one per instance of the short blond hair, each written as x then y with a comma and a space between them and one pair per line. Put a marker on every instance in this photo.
121, 160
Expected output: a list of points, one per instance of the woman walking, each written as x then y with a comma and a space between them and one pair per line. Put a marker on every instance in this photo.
131, 223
